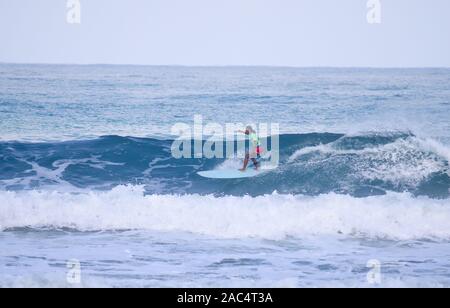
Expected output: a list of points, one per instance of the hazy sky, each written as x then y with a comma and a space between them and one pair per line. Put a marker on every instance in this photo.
227, 32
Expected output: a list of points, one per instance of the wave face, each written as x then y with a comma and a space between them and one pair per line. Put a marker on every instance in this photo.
311, 164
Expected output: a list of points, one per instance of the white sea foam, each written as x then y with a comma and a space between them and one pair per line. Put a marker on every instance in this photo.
436, 147
393, 216
55, 281
407, 160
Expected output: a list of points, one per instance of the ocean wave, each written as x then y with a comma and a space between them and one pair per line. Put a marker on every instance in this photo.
408, 160
275, 216
310, 164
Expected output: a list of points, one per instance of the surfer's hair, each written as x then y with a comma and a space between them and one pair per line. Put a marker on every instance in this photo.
250, 129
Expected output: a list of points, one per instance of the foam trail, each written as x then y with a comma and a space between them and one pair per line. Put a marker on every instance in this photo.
394, 216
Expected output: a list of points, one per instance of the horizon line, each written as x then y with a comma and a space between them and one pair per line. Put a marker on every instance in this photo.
224, 65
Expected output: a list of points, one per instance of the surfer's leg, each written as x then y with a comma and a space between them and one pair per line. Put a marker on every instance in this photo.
255, 163
246, 160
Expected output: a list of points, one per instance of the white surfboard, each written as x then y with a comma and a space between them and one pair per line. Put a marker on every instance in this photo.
232, 173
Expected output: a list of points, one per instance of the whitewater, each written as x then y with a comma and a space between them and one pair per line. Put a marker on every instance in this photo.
86, 174
394, 216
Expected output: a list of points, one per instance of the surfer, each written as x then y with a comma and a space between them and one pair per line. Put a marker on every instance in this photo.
255, 149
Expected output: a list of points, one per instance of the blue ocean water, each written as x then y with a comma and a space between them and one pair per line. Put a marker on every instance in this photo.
86, 173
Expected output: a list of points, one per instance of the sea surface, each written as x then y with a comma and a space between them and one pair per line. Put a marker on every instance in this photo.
91, 195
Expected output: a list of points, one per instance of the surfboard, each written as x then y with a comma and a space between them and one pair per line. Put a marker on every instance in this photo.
229, 174
232, 173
